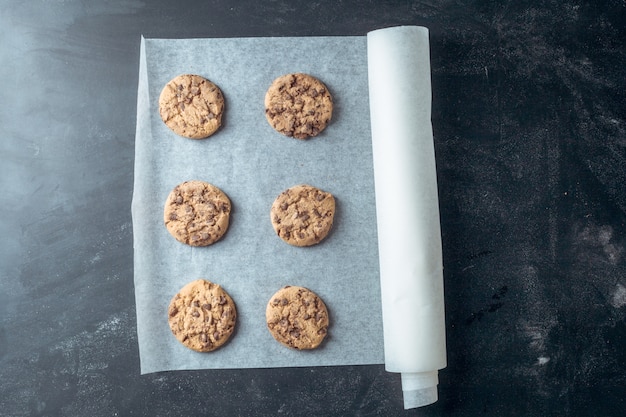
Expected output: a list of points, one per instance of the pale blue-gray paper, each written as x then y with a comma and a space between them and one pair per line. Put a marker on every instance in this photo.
252, 164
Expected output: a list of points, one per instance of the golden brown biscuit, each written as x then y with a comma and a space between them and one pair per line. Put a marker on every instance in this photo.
197, 213
303, 215
297, 318
191, 106
202, 316
298, 105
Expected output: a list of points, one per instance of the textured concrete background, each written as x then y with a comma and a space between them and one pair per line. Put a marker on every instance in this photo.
530, 135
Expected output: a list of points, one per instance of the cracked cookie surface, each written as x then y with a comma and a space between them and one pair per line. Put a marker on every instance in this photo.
197, 213
298, 105
303, 215
202, 316
191, 106
297, 318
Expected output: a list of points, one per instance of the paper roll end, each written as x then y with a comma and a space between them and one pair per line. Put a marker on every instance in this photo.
405, 28
419, 388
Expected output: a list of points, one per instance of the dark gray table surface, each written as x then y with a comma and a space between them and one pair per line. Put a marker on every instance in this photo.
530, 135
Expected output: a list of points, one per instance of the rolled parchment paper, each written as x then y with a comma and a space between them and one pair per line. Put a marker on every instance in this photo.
407, 209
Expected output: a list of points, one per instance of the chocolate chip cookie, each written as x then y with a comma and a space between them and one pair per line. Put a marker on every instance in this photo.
197, 213
298, 105
297, 317
202, 316
303, 215
191, 106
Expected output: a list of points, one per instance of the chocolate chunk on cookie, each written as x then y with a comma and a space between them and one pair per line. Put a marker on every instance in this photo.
298, 105
297, 318
202, 316
191, 106
197, 213
303, 215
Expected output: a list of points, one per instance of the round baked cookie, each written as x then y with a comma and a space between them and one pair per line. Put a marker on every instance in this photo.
298, 105
197, 213
202, 316
297, 317
191, 106
303, 215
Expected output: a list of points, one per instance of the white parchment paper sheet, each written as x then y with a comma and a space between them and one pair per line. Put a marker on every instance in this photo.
252, 163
